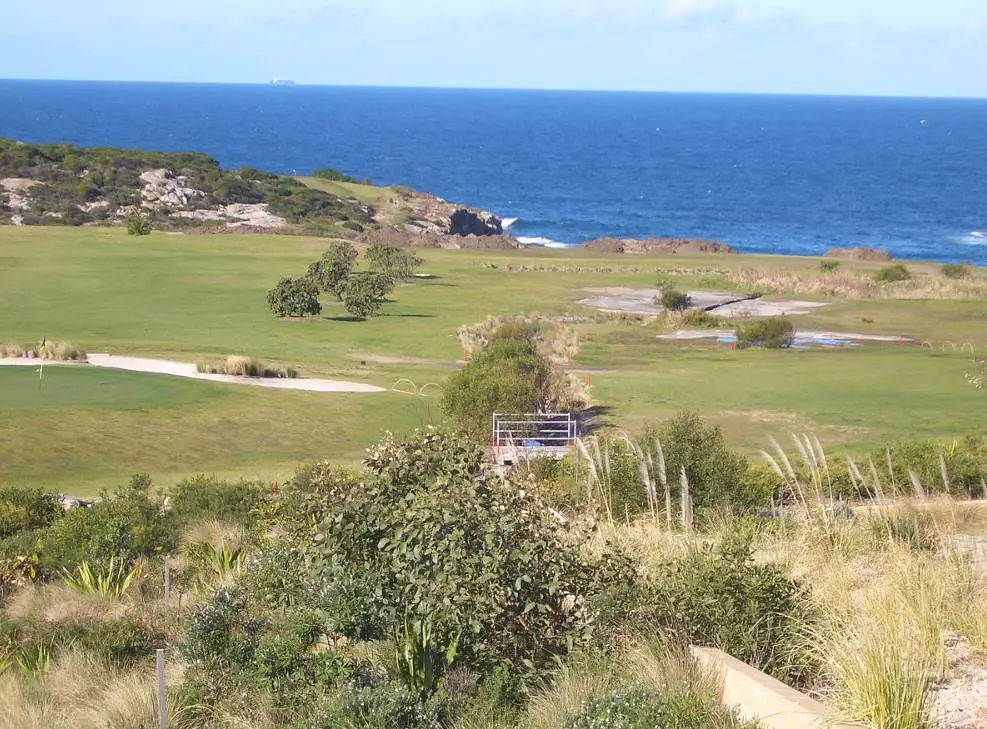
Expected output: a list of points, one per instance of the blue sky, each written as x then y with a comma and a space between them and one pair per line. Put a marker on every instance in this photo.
897, 47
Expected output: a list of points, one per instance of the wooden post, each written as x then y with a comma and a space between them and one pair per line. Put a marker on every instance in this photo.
162, 699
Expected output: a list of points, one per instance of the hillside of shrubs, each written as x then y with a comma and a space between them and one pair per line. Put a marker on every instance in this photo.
429, 589
76, 181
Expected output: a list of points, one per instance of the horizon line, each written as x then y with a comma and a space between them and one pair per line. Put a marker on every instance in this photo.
533, 89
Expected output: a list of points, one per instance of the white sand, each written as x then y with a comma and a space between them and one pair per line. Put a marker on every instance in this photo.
187, 370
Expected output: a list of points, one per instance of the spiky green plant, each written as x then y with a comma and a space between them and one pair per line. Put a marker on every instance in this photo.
423, 654
113, 581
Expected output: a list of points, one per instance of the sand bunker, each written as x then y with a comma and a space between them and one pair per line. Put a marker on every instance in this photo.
642, 302
187, 370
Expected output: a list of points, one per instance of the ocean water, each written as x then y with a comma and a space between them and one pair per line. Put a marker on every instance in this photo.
794, 175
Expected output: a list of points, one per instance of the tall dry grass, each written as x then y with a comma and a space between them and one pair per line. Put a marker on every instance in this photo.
241, 366
85, 693
56, 351
856, 286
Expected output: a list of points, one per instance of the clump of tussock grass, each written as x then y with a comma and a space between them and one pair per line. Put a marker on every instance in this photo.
857, 286
240, 366
58, 603
554, 338
56, 351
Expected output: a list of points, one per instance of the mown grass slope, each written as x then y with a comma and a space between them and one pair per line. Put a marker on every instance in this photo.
186, 296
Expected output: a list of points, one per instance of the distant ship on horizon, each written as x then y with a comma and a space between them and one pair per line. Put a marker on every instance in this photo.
282, 82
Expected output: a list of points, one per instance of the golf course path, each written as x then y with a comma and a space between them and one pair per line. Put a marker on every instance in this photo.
188, 370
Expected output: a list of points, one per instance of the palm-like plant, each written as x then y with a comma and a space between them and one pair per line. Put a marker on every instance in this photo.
113, 581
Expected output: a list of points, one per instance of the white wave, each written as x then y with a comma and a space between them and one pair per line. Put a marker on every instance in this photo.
975, 238
539, 241
978, 234
507, 222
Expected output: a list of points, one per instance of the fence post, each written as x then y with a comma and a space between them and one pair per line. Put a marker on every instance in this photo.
162, 699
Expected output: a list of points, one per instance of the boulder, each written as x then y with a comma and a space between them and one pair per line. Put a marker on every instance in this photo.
465, 221
161, 187
642, 246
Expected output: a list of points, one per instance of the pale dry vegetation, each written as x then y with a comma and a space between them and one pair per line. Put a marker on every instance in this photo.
56, 351
240, 366
852, 285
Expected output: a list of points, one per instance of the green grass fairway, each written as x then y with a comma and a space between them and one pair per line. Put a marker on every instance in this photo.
186, 296
88, 429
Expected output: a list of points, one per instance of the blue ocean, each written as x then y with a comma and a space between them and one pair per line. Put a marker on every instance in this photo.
771, 174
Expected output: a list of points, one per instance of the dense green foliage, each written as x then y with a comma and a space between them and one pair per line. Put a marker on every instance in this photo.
894, 273
365, 293
75, 181
207, 497
674, 300
397, 263
26, 509
328, 173
294, 297
138, 225
829, 266
481, 561
332, 271
720, 597
510, 376
775, 333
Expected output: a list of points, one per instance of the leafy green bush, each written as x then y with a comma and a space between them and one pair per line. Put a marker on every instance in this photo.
294, 297
124, 641
138, 225
365, 293
328, 173
775, 333
829, 266
893, 274
443, 541
956, 270
130, 524
26, 509
509, 376
634, 707
398, 263
719, 597
332, 271
965, 462
208, 497
674, 300
699, 319
714, 472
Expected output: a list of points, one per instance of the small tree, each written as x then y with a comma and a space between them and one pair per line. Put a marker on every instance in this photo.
331, 273
138, 225
675, 300
365, 293
398, 263
829, 266
894, 273
294, 297
768, 333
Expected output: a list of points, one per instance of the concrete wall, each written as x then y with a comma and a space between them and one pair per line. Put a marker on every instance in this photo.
758, 697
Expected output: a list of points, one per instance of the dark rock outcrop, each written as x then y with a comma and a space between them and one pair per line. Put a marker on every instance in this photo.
656, 245
474, 222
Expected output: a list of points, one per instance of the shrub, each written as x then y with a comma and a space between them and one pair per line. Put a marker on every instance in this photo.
508, 377
699, 319
893, 274
354, 226
27, 509
398, 263
208, 497
131, 524
294, 297
714, 472
332, 271
365, 293
634, 707
956, 270
769, 333
829, 266
956, 467
328, 173
138, 225
719, 597
675, 300
483, 562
